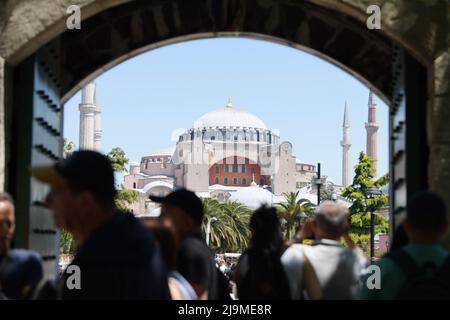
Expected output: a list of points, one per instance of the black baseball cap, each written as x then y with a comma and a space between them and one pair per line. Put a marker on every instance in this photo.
83, 171
185, 200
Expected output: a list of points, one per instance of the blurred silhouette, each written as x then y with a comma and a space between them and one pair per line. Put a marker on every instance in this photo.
117, 255
260, 273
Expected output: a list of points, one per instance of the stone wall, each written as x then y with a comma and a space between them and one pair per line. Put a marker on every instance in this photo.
2, 125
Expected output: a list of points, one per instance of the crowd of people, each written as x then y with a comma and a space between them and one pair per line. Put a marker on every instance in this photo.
123, 257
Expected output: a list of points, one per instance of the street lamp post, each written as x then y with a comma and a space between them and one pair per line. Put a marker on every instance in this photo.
271, 188
208, 229
318, 182
372, 193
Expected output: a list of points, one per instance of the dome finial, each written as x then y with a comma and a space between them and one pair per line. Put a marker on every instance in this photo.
230, 103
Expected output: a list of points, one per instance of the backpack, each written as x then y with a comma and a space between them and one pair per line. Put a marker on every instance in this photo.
427, 282
265, 279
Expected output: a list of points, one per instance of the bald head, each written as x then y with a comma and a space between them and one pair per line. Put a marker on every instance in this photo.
330, 220
7, 222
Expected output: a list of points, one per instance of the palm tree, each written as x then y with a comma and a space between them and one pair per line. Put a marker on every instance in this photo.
230, 232
291, 211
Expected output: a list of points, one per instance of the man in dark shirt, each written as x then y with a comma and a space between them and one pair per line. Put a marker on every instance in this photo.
182, 210
20, 269
117, 257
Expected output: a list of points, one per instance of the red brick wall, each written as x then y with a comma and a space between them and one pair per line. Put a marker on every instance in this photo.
250, 167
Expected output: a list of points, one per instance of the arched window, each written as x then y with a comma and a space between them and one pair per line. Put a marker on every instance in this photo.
216, 180
235, 181
244, 181
225, 181
134, 185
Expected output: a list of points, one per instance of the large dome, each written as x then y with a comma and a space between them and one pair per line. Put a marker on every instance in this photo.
229, 117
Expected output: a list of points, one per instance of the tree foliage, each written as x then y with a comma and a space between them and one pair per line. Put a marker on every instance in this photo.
69, 147
290, 212
67, 243
362, 203
124, 197
230, 232
118, 159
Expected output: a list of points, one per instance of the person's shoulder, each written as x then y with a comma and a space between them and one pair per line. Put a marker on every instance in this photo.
195, 246
24, 253
24, 256
194, 242
295, 253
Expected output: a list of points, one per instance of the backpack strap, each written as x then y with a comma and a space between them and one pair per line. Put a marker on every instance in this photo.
406, 263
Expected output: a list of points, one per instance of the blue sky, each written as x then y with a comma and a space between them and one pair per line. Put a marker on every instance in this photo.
146, 98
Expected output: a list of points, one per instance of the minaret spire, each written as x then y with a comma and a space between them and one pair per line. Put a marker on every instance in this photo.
345, 143
371, 129
230, 103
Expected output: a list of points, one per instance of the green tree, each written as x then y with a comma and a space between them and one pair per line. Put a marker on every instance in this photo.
67, 243
118, 159
69, 147
230, 232
124, 197
290, 212
357, 194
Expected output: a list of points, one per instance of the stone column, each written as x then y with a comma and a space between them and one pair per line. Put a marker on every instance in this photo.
345, 143
87, 115
97, 124
2, 124
371, 129
439, 132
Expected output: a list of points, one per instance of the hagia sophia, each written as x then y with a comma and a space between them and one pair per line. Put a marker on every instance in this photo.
227, 154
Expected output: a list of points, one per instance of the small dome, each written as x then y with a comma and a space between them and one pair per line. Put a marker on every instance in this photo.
229, 117
163, 152
254, 197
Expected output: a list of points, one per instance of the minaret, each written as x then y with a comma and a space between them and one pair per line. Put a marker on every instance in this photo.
372, 128
345, 143
97, 124
87, 114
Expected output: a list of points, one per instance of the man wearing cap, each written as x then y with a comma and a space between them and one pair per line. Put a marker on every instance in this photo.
182, 211
20, 269
116, 255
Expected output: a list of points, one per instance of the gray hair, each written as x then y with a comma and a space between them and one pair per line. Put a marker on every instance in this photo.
330, 217
4, 196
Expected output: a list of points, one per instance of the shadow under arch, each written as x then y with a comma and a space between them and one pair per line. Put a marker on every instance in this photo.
126, 30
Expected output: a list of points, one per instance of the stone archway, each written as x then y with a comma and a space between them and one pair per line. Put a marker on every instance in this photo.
407, 63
